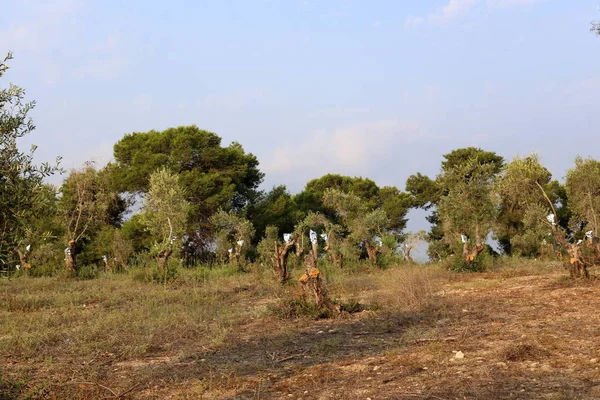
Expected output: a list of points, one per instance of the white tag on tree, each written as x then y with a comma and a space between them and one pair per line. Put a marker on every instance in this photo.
230, 250
550, 219
313, 237
463, 238
240, 243
324, 236
287, 237
589, 234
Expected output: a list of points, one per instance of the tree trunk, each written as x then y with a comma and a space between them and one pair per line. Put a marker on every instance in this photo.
577, 266
311, 281
371, 252
315, 250
280, 259
163, 260
23, 260
469, 255
70, 260
107, 267
407, 255
336, 259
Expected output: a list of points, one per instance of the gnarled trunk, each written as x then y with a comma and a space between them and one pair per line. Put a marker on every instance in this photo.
70, 260
163, 260
469, 255
372, 252
311, 282
336, 259
23, 260
280, 259
577, 266
407, 251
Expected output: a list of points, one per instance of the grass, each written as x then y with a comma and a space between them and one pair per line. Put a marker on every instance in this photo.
218, 333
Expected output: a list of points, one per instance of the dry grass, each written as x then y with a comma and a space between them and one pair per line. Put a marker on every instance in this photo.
524, 334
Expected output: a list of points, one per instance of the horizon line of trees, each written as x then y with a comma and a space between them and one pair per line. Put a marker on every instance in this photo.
201, 201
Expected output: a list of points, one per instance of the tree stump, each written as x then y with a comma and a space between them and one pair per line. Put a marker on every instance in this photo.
469, 255
576, 266
311, 282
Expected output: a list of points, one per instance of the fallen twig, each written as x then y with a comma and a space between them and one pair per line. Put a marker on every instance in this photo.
291, 357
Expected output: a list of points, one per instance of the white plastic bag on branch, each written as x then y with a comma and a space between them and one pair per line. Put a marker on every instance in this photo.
589, 234
313, 237
324, 236
551, 218
463, 238
287, 238
240, 243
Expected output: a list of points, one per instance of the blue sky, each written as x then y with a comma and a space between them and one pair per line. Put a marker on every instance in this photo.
379, 89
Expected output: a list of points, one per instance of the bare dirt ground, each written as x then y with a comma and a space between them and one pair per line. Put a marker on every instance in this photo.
483, 336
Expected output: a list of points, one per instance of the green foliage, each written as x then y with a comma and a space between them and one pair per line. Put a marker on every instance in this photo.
462, 195
214, 176
22, 193
583, 191
425, 192
527, 197
394, 202
469, 206
276, 208
234, 235
87, 203
165, 209
266, 247
455, 262
134, 230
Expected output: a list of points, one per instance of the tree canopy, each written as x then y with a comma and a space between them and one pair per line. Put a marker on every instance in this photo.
214, 176
22, 192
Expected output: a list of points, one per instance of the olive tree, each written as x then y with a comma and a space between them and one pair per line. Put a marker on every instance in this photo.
469, 208
165, 214
22, 192
234, 235
525, 195
583, 190
83, 207
276, 251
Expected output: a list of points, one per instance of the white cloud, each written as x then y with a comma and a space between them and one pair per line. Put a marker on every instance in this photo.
45, 25
451, 10
351, 150
45, 31
455, 8
505, 3
413, 21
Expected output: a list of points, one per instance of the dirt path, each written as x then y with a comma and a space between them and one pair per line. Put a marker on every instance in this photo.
533, 337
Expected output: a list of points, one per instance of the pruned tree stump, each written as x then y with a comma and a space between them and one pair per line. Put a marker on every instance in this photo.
311, 282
